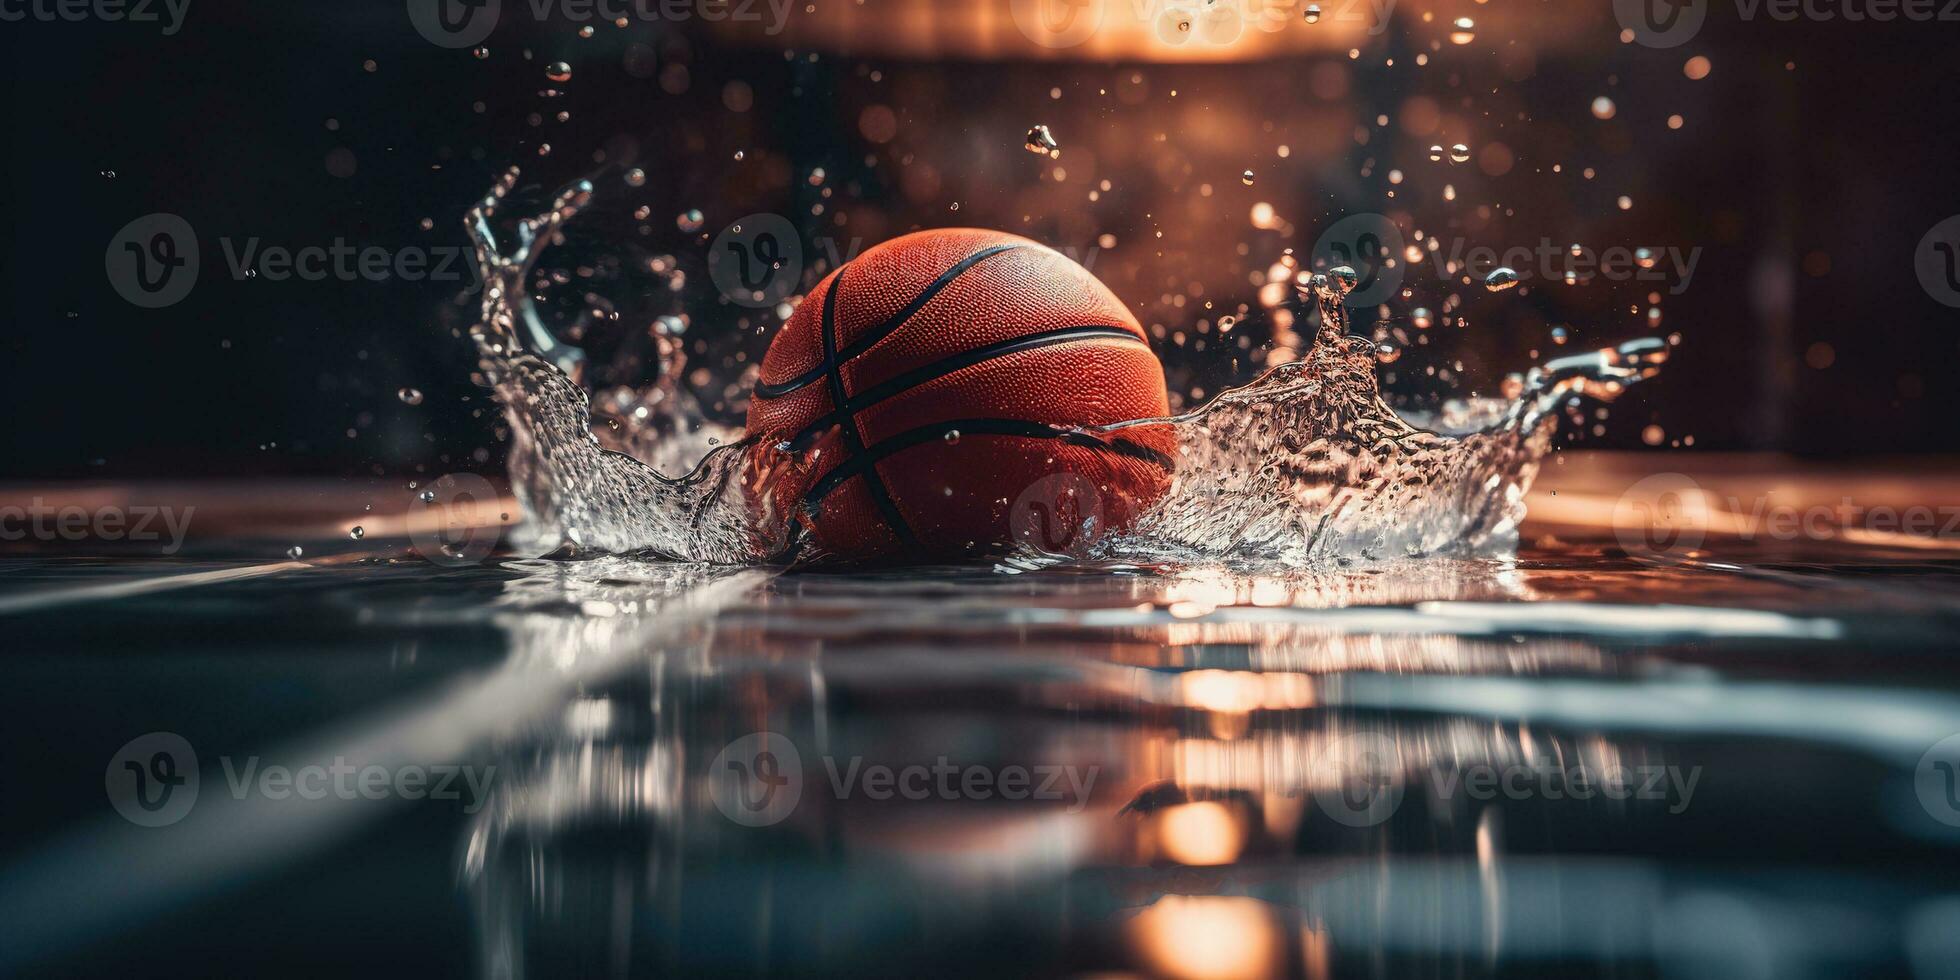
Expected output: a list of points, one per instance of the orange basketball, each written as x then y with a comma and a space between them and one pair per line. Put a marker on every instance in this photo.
933, 388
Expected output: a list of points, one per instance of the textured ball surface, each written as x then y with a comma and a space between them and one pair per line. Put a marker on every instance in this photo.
933, 387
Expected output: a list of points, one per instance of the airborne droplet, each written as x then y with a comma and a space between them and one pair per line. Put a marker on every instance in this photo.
1500, 279
1246, 178
1463, 31
1040, 140
1313, 13
357, 533
409, 396
294, 552
1436, 153
427, 496
1421, 318
689, 220
952, 437
636, 177
559, 72
1459, 153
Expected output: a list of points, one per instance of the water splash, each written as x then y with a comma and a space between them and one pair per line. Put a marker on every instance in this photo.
1303, 466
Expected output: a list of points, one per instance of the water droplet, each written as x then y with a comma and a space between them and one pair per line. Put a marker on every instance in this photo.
427, 496
1421, 318
1313, 13
952, 437
1500, 279
1463, 31
559, 72
585, 31
1246, 178
1387, 353
1559, 336
690, 220
636, 177
1436, 153
1041, 141
1343, 277
1603, 108
357, 533
1645, 258
1459, 153
294, 552
409, 396
481, 53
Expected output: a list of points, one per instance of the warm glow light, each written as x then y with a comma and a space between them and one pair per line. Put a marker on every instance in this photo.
1208, 937
1200, 834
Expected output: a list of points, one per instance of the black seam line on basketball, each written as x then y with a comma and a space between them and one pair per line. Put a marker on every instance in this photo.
880, 332
945, 366
853, 440
984, 427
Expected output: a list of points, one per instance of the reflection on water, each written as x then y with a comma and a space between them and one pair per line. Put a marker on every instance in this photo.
1428, 768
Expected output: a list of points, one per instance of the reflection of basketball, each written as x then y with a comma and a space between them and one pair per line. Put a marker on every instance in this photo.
964, 361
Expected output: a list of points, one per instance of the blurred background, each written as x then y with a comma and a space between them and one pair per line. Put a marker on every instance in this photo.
1201, 154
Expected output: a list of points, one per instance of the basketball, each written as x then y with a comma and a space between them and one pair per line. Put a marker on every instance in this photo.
934, 391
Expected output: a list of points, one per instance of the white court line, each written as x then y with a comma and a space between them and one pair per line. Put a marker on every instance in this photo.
49, 598
110, 875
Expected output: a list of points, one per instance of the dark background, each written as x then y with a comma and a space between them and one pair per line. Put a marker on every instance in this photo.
1806, 187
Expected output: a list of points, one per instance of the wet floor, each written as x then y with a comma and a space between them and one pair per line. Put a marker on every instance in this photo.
1719, 759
